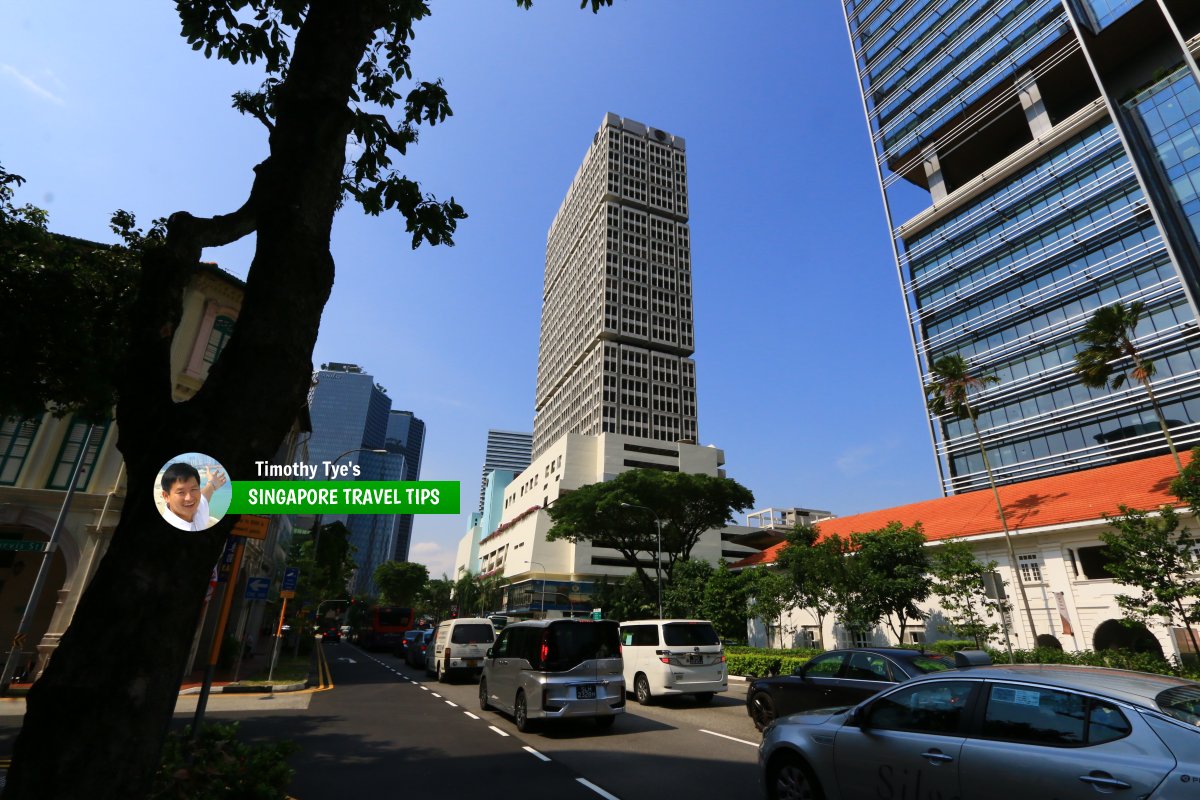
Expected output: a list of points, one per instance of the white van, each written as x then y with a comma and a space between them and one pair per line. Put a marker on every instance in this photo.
673, 656
459, 646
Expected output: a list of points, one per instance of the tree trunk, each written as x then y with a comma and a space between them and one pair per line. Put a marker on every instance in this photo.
96, 719
1162, 420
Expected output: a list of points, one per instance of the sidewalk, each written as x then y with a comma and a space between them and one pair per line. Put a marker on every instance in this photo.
254, 666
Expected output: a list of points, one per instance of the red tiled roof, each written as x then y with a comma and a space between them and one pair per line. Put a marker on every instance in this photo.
1060, 499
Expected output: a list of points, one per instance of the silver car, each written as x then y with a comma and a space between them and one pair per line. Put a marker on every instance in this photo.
555, 669
995, 733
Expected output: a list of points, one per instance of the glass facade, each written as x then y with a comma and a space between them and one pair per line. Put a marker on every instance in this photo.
1105, 12
406, 437
1043, 221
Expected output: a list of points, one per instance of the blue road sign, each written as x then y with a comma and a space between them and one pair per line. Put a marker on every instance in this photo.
291, 576
257, 588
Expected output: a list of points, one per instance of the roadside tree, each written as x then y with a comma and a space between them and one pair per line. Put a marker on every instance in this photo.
726, 602
435, 598
960, 580
612, 513
891, 567
816, 571
400, 581
684, 598
334, 72
771, 595
1149, 553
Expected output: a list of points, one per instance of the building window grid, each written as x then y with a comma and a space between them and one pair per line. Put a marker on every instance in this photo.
16, 437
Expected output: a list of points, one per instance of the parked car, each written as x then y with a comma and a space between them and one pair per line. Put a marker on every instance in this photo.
555, 669
994, 733
672, 657
416, 651
837, 678
458, 647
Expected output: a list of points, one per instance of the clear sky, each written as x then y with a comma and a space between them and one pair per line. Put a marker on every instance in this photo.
805, 370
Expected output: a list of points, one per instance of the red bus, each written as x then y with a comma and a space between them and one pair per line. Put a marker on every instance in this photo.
385, 627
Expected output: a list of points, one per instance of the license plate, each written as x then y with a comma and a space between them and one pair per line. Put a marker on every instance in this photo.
473, 662
585, 692
695, 658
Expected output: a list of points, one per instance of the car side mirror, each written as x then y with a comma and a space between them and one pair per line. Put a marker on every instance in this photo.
859, 716
489, 653
798, 672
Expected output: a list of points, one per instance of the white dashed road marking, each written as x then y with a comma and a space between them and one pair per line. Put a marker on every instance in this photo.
597, 789
435, 694
535, 753
497, 730
452, 705
425, 688
730, 738
469, 714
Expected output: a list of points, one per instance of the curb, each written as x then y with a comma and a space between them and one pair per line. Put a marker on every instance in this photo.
234, 688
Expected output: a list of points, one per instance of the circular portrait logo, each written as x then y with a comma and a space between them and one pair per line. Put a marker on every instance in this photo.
192, 491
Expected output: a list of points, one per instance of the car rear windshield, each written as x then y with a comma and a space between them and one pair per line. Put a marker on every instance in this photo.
475, 633
688, 634
568, 644
1182, 703
932, 663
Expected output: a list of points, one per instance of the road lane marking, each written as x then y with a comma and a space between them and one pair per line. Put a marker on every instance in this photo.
597, 789
497, 730
535, 753
425, 688
469, 714
730, 738
435, 694
453, 705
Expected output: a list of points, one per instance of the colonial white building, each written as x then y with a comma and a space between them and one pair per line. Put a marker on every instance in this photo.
1055, 524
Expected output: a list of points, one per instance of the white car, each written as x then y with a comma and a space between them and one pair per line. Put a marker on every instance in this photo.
671, 657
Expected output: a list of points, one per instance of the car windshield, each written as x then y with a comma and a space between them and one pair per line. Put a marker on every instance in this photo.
932, 663
475, 633
1182, 703
571, 643
687, 634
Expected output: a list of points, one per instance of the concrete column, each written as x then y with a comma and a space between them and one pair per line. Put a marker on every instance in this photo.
1035, 109
933, 173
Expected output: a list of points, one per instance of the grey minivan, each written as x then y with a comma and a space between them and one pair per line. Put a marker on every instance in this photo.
555, 669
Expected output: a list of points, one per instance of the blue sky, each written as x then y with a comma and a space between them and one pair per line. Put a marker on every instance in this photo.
806, 376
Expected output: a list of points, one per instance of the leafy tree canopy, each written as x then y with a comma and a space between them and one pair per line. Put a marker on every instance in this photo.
620, 513
891, 567
399, 581
960, 580
435, 598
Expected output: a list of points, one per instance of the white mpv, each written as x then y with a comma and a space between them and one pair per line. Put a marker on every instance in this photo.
673, 656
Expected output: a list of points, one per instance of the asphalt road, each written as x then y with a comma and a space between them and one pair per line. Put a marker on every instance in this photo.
387, 730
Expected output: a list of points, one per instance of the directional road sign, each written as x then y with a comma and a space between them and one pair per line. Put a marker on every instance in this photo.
257, 588
291, 576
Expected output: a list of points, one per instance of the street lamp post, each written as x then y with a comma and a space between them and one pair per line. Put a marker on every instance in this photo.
657, 552
542, 593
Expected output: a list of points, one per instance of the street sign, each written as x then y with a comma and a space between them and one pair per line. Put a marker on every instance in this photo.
291, 577
17, 544
257, 588
596, 614
251, 526
225, 565
287, 594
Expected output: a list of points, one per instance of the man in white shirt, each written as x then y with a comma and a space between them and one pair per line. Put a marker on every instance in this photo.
187, 503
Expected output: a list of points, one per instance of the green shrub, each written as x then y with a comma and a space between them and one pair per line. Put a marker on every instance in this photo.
758, 665
218, 767
947, 646
798, 652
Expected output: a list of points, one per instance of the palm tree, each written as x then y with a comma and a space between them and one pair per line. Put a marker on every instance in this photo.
1109, 338
947, 394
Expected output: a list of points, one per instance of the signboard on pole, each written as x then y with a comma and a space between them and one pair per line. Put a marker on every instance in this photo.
257, 588
291, 577
225, 565
252, 526
17, 544
596, 614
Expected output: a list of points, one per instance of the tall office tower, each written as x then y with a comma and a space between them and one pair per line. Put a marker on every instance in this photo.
616, 331
349, 412
1038, 160
406, 436
506, 450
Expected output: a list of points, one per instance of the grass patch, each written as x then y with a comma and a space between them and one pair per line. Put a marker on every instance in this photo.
289, 669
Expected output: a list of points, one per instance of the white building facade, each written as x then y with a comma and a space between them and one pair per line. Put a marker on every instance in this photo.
616, 334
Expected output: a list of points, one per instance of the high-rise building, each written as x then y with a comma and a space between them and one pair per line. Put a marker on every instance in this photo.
349, 412
506, 450
616, 331
1039, 159
406, 436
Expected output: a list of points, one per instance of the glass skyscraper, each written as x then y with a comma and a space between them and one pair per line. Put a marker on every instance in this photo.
350, 411
405, 436
1039, 159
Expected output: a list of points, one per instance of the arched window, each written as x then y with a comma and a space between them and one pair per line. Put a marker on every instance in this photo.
222, 329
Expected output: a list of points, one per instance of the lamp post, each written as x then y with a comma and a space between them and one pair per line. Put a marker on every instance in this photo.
657, 553
542, 593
